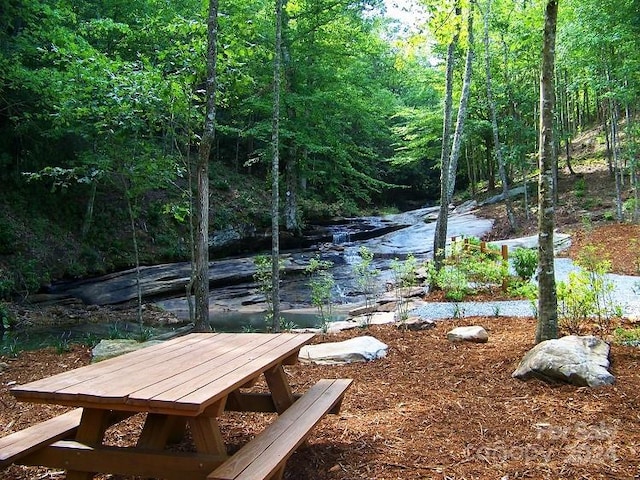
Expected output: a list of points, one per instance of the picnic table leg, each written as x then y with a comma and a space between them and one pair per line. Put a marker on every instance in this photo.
91, 431
159, 430
280, 389
207, 436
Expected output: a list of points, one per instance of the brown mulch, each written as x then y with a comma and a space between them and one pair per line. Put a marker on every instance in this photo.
430, 409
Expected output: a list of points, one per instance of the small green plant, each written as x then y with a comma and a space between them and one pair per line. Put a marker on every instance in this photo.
580, 188
264, 278
287, 325
520, 289
62, 343
629, 207
609, 216
7, 319
90, 340
525, 262
366, 279
12, 349
404, 277
453, 282
321, 284
496, 311
628, 337
248, 329
458, 311
144, 334
116, 332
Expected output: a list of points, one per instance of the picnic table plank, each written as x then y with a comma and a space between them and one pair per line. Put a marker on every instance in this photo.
43, 388
205, 389
210, 367
165, 364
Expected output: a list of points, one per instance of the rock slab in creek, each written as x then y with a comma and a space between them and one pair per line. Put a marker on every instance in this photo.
474, 334
579, 360
358, 349
112, 348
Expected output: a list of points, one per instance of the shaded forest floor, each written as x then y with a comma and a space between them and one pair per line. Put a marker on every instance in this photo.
433, 409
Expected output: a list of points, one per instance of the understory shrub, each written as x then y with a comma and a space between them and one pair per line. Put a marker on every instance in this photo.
586, 299
525, 262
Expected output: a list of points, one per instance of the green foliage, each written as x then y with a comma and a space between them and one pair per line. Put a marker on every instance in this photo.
7, 318
523, 289
629, 337
586, 298
321, 284
264, 278
453, 282
367, 279
404, 277
580, 188
143, 334
469, 267
525, 262
62, 343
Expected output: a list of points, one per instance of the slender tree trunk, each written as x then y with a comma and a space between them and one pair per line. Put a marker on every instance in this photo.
201, 284
88, 215
547, 327
440, 236
494, 124
275, 171
615, 148
462, 108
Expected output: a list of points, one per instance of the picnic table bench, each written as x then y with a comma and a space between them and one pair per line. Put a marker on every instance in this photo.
189, 380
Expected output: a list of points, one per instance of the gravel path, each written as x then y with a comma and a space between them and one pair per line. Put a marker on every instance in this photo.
626, 294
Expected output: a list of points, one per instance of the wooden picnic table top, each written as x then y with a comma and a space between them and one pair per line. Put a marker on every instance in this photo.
182, 376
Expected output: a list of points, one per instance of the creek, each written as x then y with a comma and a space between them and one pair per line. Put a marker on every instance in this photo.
235, 301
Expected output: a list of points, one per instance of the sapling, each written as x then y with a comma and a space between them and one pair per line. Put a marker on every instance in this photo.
367, 280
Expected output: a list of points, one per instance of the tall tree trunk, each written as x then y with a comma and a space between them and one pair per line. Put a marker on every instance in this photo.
201, 284
547, 327
440, 235
275, 172
291, 201
615, 148
494, 124
462, 108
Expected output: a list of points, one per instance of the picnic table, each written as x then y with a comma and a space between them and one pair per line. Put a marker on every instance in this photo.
189, 381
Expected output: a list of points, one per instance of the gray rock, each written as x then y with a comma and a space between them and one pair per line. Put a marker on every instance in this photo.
473, 333
358, 349
582, 361
416, 324
3, 367
112, 348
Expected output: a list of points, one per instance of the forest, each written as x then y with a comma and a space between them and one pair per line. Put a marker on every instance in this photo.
102, 106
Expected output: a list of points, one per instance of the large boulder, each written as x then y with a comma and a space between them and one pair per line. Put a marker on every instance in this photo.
358, 349
113, 348
579, 360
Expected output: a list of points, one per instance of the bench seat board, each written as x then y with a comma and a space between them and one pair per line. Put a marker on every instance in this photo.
19, 444
267, 453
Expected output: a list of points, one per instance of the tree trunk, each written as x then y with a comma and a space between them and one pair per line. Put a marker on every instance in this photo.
547, 327
440, 235
494, 124
291, 200
275, 172
201, 284
615, 148
88, 215
462, 108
